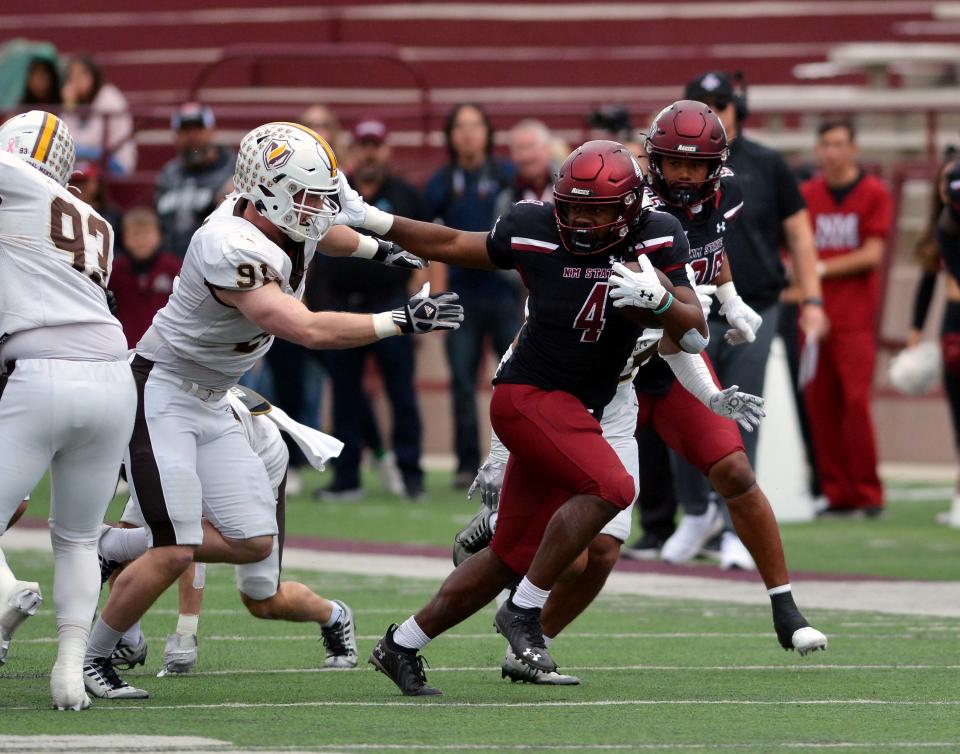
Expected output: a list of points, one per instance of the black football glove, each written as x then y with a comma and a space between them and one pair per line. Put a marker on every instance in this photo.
392, 255
424, 312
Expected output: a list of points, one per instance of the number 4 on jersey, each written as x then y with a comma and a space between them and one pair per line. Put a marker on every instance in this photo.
590, 319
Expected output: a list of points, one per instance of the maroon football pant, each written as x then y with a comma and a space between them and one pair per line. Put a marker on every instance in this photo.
837, 401
690, 429
557, 451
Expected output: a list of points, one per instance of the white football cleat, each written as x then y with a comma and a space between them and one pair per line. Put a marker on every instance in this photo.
67, 689
102, 680
808, 639
340, 641
691, 535
15, 607
179, 654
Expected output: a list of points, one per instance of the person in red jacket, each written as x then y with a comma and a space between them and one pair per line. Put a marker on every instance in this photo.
851, 214
142, 278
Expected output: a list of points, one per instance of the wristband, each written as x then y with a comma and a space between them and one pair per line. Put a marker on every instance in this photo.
377, 221
367, 247
384, 326
726, 292
812, 301
666, 306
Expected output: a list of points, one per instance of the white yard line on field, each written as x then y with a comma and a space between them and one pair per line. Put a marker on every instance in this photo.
941, 598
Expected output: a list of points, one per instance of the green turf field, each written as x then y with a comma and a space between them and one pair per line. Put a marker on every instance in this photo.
658, 674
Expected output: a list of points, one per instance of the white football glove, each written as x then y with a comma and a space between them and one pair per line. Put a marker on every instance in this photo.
704, 292
744, 321
743, 408
639, 289
489, 481
356, 213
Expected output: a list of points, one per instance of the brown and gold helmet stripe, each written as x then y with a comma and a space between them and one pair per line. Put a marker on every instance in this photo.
323, 144
48, 129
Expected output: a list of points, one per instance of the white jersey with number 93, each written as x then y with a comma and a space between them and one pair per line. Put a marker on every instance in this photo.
196, 335
55, 253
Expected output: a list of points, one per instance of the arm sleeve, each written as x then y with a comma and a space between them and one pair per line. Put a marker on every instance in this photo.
692, 373
236, 263
922, 298
789, 199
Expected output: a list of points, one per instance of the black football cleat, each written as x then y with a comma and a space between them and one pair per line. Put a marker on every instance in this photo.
793, 630
521, 628
402, 666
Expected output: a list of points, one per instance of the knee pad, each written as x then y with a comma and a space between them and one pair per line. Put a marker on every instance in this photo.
259, 581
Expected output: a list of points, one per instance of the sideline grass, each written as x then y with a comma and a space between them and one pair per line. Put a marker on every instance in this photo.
724, 683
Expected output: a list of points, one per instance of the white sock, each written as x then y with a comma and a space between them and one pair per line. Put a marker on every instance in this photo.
187, 624
76, 590
547, 640
529, 596
336, 612
410, 635
133, 635
779, 590
123, 545
103, 640
7, 579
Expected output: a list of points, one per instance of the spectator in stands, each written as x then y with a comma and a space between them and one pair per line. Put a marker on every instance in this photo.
142, 278
86, 179
462, 194
189, 186
531, 150
42, 85
322, 119
98, 117
851, 213
355, 287
773, 214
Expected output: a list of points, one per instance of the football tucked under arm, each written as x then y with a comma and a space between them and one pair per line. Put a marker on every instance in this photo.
679, 315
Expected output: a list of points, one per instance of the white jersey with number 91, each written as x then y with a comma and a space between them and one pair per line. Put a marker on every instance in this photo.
55, 253
197, 336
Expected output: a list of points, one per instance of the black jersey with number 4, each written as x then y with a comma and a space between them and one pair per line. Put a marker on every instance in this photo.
574, 339
706, 231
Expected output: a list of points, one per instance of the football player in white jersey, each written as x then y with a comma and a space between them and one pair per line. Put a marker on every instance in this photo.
261, 590
67, 397
240, 285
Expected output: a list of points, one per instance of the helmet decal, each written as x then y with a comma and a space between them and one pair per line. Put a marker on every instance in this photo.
277, 153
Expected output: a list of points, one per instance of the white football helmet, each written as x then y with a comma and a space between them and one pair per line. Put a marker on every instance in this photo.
290, 174
43, 140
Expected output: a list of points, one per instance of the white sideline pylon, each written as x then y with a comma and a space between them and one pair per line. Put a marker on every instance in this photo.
782, 471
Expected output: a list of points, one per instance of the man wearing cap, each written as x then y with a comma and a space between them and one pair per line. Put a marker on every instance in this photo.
359, 288
189, 186
774, 216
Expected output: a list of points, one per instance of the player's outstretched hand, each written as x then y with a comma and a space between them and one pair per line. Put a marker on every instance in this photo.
639, 289
489, 481
424, 313
353, 210
392, 255
744, 321
743, 408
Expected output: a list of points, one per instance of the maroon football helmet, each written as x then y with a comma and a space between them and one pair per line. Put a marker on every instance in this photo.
598, 173
688, 130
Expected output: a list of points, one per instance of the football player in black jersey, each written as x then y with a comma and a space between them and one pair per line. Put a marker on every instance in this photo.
564, 481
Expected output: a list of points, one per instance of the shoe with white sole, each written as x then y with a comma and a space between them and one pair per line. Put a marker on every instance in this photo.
67, 689
103, 681
520, 672
793, 630
128, 657
391, 480
733, 553
340, 641
691, 535
22, 601
179, 654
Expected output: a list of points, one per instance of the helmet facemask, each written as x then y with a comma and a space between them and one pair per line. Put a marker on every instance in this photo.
685, 193
593, 239
290, 174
